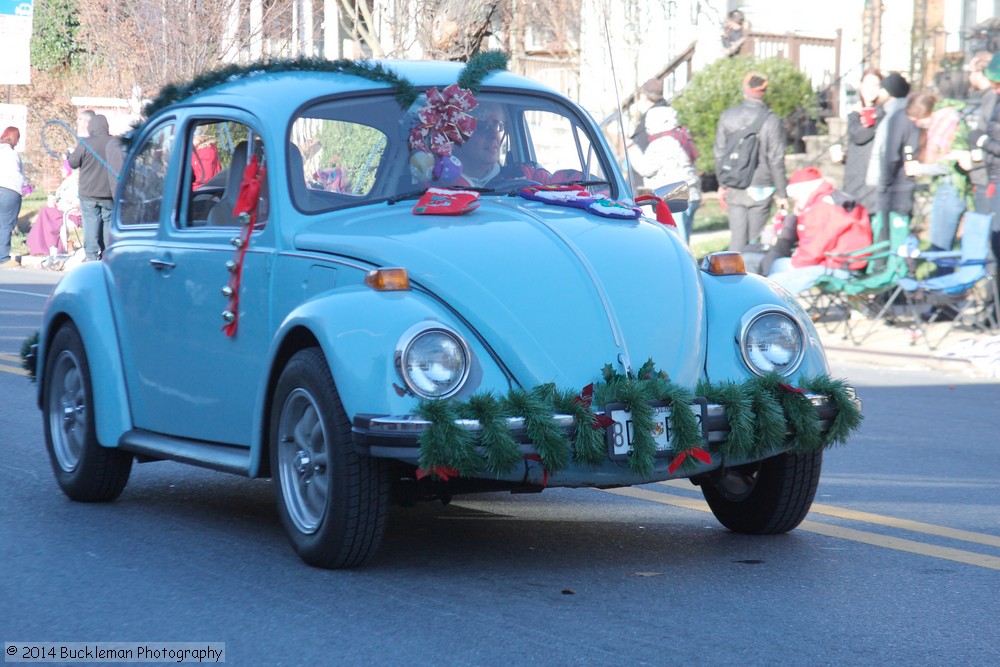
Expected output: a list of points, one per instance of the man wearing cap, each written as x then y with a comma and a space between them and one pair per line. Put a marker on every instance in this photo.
822, 221
750, 209
893, 94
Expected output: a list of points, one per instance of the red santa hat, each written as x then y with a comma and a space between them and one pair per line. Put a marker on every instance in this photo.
804, 175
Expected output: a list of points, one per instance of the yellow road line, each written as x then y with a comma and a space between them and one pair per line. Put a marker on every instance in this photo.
10, 357
888, 521
874, 539
13, 370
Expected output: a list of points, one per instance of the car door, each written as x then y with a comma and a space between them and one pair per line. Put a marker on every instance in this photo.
186, 376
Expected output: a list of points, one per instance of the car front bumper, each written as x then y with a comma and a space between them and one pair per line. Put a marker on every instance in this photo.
397, 437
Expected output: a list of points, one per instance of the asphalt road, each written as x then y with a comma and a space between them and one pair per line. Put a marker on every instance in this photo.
898, 564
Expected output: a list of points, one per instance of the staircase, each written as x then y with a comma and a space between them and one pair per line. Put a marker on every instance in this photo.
818, 152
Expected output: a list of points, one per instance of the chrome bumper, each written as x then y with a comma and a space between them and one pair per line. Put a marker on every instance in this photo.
396, 436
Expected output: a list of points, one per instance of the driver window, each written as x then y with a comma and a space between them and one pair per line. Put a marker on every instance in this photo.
559, 144
142, 187
218, 153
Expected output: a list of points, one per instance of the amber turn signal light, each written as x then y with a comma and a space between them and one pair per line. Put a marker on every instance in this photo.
729, 263
388, 280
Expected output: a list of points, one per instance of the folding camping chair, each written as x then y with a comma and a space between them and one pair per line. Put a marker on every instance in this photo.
969, 292
869, 291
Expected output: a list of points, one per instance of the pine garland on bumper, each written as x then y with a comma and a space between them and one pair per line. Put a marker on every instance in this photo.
764, 413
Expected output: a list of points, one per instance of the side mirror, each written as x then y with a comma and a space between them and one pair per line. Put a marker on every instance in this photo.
675, 195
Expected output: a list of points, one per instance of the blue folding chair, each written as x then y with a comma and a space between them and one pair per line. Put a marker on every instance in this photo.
968, 294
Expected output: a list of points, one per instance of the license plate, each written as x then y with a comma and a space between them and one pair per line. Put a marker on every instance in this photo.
621, 434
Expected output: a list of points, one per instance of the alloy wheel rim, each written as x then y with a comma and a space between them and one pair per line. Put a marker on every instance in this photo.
69, 411
302, 461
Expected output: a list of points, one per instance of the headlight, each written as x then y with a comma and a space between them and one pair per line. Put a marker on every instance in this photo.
432, 360
771, 340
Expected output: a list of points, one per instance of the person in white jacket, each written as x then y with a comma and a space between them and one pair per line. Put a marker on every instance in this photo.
668, 158
12, 184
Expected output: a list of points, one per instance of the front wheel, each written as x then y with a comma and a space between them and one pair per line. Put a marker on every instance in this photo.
765, 498
332, 501
84, 469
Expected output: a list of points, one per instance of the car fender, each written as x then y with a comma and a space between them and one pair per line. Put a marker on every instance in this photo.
358, 329
82, 297
727, 299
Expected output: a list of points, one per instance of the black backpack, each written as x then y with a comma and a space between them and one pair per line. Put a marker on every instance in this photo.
735, 169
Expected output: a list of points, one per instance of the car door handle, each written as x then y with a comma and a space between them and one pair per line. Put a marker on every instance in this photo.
160, 264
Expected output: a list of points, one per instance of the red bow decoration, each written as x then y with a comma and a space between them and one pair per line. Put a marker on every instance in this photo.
246, 203
586, 398
444, 472
788, 387
545, 473
444, 121
663, 214
695, 452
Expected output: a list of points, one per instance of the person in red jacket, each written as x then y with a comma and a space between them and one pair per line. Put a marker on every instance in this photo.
823, 221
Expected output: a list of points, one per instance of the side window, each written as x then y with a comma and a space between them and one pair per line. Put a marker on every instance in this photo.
217, 154
333, 157
142, 190
558, 143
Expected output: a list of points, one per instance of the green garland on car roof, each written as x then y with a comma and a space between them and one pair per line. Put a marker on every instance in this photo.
765, 414
476, 69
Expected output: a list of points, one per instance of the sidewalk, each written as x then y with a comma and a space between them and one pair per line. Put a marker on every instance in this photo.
961, 350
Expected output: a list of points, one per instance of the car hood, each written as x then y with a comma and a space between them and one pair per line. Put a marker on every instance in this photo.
557, 293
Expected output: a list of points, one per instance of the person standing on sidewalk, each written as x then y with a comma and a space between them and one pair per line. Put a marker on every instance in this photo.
749, 209
90, 157
860, 139
987, 141
12, 184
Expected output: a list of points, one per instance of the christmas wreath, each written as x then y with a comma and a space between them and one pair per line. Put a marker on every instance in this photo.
762, 412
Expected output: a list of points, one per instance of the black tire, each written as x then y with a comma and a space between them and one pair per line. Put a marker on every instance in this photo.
85, 470
332, 501
765, 498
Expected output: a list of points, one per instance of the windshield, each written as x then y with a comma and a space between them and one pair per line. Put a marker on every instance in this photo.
366, 149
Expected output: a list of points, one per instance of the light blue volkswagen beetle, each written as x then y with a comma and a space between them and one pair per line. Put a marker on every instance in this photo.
390, 282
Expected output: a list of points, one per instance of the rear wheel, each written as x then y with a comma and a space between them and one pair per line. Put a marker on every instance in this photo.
332, 501
84, 469
765, 498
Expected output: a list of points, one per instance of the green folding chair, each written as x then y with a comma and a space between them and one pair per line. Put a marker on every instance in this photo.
872, 291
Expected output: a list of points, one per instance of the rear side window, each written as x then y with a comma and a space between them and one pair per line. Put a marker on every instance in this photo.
141, 197
333, 157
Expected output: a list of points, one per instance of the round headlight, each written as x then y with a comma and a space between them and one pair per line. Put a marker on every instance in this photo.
433, 361
771, 341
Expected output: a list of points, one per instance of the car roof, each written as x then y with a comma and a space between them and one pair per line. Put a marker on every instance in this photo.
287, 90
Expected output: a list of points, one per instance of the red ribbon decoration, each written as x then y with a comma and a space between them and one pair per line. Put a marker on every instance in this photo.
663, 214
545, 473
444, 472
246, 202
586, 398
788, 387
696, 452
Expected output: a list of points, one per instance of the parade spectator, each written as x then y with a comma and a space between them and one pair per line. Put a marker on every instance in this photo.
12, 185
988, 142
90, 157
893, 93
669, 158
734, 33
204, 159
899, 165
49, 228
945, 160
822, 221
861, 123
749, 209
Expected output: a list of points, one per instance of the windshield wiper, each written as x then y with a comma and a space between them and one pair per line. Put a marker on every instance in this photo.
586, 184
406, 195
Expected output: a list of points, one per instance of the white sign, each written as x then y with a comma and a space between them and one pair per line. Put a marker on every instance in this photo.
15, 35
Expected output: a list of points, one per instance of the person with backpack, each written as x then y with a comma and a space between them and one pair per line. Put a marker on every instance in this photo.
669, 158
750, 163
